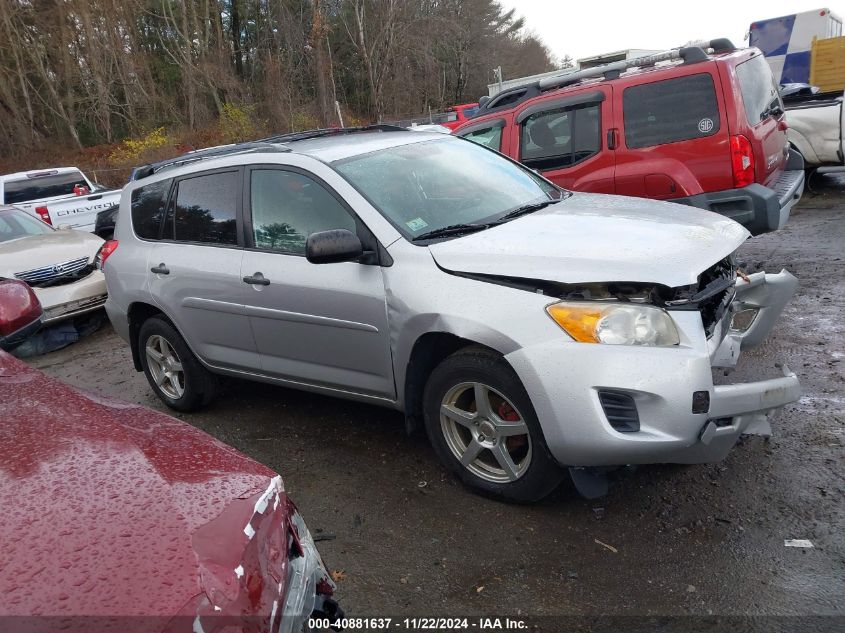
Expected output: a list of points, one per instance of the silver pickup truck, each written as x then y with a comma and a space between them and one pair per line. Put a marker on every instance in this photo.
816, 125
59, 196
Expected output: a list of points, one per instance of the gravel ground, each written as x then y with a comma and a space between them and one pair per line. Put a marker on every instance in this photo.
683, 540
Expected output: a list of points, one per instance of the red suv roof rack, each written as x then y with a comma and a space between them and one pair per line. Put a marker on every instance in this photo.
690, 54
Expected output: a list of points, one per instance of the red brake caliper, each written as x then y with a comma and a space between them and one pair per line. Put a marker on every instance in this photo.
509, 414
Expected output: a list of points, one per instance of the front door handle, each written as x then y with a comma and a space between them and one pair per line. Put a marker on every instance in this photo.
257, 280
161, 269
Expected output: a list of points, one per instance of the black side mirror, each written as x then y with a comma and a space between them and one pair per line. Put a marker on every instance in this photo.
330, 247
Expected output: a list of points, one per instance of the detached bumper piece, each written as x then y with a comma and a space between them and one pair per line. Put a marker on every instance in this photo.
741, 409
74, 308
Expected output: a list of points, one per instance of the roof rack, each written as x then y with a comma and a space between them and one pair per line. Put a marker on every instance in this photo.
203, 154
270, 144
690, 54
330, 131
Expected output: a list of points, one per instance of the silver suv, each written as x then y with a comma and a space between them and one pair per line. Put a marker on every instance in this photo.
527, 327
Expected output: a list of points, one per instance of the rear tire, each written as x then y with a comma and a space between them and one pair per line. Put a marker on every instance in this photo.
482, 425
174, 373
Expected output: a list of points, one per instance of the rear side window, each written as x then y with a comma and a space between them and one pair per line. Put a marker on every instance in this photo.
757, 85
670, 110
148, 207
489, 137
206, 207
560, 138
38, 187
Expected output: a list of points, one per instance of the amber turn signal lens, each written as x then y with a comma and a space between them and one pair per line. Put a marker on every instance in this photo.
578, 321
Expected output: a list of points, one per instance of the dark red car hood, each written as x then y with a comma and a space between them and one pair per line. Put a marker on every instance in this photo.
113, 509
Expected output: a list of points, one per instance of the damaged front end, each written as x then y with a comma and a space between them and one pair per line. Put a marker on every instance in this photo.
645, 378
731, 303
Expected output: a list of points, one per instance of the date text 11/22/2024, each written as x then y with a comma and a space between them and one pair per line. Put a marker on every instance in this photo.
421, 624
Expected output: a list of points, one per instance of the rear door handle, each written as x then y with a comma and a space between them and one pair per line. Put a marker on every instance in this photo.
257, 280
161, 269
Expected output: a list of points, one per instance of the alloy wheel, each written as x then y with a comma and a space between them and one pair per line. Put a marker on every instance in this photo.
165, 367
485, 432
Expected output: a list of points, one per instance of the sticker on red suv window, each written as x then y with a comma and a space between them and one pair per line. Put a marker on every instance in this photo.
705, 125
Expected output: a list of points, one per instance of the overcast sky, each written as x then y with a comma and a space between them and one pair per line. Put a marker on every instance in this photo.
582, 29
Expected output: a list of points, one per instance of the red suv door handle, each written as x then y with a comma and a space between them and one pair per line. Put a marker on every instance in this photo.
613, 138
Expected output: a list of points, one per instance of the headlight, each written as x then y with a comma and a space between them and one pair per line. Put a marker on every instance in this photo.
615, 323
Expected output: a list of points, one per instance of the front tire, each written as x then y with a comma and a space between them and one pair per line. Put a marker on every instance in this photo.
174, 373
481, 423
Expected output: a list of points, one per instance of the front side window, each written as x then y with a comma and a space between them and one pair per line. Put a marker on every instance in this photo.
560, 138
149, 204
489, 137
288, 206
40, 187
205, 209
757, 85
15, 224
670, 110
423, 186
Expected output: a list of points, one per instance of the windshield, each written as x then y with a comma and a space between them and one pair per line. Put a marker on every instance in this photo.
40, 187
421, 187
15, 224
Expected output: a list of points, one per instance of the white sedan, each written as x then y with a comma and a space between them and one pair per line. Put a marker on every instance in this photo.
57, 263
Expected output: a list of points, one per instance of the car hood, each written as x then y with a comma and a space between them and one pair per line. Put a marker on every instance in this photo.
51, 248
598, 238
111, 509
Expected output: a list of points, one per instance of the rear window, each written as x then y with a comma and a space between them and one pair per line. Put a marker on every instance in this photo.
757, 85
38, 187
148, 207
669, 111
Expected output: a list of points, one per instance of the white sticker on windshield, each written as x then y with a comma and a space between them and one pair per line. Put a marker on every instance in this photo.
416, 224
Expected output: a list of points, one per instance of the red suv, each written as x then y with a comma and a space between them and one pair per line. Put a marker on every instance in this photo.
700, 125
455, 116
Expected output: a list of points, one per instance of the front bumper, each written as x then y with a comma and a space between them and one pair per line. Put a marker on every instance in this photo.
758, 208
564, 380
62, 302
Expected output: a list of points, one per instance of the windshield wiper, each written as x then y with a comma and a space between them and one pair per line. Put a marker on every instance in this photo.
452, 229
526, 209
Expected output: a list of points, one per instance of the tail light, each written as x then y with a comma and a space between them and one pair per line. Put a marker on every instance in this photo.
742, 161
108, 247
44, 214
19, 307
